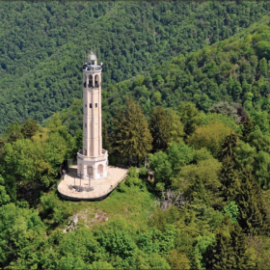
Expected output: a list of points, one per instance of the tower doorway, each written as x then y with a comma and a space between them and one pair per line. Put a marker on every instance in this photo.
100, 170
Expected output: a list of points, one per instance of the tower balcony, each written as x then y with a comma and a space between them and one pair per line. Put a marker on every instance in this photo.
92, 68
95, 86
96, 158
91, 86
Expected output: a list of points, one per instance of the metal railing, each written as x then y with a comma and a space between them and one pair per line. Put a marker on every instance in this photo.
90, 85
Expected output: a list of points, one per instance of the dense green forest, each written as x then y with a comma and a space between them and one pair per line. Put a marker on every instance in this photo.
195, 118
235, 70
42, 44
207, 207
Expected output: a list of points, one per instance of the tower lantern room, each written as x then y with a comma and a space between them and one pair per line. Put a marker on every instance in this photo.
92, 159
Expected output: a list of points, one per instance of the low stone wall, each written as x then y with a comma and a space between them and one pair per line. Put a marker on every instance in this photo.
100, 188
69, 198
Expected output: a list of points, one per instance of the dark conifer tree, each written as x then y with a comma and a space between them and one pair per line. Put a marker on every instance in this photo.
248, 127
220, 255
131, 135
229, 250
189, 115
228, 147
106, 142
159, 128
228, 175
254, 217
79, 139
2, 147
229, 179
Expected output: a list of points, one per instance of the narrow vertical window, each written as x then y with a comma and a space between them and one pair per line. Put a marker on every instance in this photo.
85, 105
96, 105
85, 125
90, 105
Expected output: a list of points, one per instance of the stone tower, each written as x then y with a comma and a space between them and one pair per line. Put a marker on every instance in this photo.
92, 160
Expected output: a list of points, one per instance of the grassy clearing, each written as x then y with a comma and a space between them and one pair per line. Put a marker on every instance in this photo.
135, 205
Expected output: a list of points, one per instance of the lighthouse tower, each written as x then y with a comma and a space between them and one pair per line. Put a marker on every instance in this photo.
92, 160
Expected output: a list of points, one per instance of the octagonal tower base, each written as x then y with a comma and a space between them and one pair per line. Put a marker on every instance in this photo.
92, 167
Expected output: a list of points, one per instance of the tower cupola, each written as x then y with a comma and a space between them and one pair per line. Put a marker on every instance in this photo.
91, 59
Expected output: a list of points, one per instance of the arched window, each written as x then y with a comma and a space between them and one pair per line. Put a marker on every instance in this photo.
90, 81
84, 81
97, 81
90, 170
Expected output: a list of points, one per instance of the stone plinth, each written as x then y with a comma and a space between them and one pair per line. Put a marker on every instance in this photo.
101, 187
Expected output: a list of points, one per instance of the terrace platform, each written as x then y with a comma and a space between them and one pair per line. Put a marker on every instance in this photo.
70, 187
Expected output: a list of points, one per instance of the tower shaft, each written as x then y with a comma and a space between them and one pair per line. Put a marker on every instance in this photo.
92, 159
92, 114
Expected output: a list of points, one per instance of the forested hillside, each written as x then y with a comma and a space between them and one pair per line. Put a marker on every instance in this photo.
42, 44
236, 70
206, 208
196, 126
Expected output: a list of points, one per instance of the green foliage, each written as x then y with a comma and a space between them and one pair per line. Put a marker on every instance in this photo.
165, 128
189, 117
206, 170
159, 128
131, 134
202, 154
156, 242
179, 155
229, 179
209, 192
248, 127
132, 178
21, 232
232, 211
28, 162
176, 127
53, 209
29, 128
210, 136
79, 139
4, 197
202, 243
229, 250
228, 147
178, 260
80, 243
142, 171
160, 164
13, 132
260, 118
47, 67
253, 216
101, 265
206, 119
